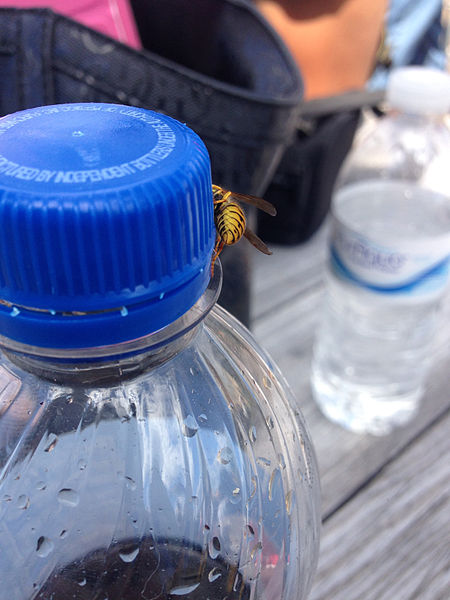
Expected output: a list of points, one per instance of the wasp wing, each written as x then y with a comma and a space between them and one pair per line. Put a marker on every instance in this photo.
255, 201
256, 242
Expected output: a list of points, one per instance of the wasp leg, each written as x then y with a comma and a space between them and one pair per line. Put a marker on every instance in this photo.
217, 250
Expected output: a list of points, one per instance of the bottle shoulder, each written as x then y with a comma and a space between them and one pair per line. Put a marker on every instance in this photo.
397, 146
206, 447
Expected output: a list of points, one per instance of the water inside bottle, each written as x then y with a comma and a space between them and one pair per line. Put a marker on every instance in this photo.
145, 570
393, 211
382, 304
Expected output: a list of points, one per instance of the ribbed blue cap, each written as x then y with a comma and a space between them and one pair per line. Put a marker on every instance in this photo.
105, 210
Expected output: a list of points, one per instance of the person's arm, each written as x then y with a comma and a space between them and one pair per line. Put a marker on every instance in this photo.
333, 41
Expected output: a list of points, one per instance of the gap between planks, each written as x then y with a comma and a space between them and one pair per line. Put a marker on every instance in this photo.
391, 541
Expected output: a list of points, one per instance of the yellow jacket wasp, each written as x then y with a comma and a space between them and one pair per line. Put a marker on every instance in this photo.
230, 221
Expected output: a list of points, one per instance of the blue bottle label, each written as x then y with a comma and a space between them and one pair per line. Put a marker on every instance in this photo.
415, 268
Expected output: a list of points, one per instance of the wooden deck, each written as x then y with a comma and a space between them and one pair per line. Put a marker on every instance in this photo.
385, 500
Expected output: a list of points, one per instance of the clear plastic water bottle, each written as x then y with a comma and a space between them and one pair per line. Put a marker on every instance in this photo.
148, 447
389, 261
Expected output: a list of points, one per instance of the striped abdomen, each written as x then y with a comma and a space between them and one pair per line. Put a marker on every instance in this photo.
230, 222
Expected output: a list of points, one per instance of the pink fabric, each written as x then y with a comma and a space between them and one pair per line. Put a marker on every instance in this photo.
112, 17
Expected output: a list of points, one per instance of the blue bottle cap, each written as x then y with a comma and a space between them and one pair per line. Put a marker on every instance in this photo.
107, 225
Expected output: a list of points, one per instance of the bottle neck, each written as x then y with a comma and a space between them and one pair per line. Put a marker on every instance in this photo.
124, 360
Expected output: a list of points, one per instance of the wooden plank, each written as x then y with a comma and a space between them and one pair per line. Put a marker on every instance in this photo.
290, 309
346, 459
284, 276
392, 541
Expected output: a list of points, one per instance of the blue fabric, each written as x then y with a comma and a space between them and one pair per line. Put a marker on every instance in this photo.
414, 36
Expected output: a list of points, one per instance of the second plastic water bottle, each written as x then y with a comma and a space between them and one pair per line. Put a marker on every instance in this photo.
388, 267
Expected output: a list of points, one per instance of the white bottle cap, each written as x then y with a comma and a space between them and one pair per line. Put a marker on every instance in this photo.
419, 90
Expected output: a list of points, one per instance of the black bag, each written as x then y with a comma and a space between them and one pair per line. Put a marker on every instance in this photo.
302, 186
213, 64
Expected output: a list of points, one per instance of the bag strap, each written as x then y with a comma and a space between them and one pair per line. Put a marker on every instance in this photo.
302, 185
351, 100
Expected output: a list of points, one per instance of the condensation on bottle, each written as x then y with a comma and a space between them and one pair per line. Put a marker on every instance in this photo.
387, 276
149, 447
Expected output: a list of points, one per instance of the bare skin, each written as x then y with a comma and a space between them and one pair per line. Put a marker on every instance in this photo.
333, 41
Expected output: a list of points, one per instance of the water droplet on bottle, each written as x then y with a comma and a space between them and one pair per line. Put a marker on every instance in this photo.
262, 460
225, 455
124, 311
44, 546
82, 464
214, 547
288, 502
129, 554
257, 548
252, 433
130, 483
23, 502
266, 382
191, 371
51, 445
63, 533
41, 485
214, 574
281, 461
68, 497
190, 426
271, 480
270, 422
202, 418
236, 495
238, 582
182, 590
254, 487
251, 531
82, 582
7, 498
